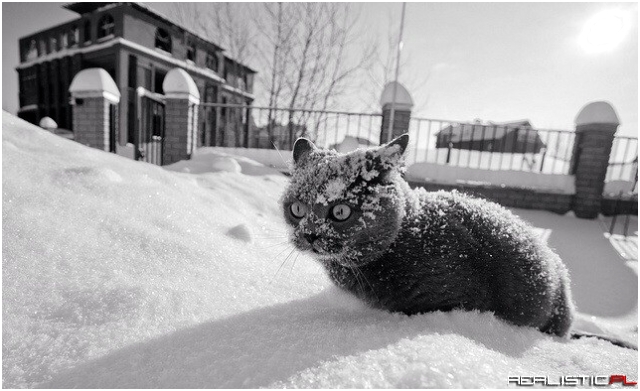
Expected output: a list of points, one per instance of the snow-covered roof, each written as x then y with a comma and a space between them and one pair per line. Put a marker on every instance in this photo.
178, 82
94, 80
403, 98
597, 113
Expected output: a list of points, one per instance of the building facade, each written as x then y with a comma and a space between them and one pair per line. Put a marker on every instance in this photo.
137, 47
509, 137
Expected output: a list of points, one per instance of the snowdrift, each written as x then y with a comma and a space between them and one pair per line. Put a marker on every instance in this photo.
118, 273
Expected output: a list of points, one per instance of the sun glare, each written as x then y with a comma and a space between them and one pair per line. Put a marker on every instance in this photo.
604, 31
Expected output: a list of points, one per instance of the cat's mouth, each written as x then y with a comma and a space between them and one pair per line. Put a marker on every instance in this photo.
320, 252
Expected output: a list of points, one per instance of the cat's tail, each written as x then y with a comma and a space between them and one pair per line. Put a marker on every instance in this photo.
614, 341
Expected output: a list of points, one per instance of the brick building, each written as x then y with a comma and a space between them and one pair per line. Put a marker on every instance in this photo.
137, 47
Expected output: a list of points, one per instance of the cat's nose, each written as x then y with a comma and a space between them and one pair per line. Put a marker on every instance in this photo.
311, 238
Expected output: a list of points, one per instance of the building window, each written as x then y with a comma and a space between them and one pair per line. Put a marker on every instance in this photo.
105, 26
64, 40
159, 78
53, 44
42, 47
28, 86
191, 51
73, 36
163, 40
212, 61
30, 52
87, 31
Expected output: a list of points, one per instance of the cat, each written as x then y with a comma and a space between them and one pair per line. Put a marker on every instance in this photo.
412, 251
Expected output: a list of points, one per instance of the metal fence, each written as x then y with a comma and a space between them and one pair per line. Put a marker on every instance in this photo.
623, 161
231, 125
517, 147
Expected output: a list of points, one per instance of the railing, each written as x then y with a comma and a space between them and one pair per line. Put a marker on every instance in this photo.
490, 146
623, 163
266, 127
484, 146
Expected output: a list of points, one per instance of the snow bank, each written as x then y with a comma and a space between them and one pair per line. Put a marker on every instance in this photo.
444, 174
118, 273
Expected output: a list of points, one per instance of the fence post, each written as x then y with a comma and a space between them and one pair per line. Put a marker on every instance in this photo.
596, 125
181, 110
402, 112
93, 94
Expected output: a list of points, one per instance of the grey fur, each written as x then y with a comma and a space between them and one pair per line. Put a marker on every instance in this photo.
412, 251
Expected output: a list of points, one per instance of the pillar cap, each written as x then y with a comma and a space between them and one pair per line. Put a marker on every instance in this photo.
48, 123
597, 113
177, 83
94, 82
403, 98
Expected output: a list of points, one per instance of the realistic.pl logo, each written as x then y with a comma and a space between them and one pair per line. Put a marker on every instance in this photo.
570, 381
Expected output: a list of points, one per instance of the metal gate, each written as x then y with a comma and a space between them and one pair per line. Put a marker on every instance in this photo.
151, 127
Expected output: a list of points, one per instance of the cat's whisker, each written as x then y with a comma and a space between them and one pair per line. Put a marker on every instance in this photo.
286, 242
368, 283
285, 260
294, 263
278, 255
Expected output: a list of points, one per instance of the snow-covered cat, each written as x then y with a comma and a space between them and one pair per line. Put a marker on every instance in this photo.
413, 251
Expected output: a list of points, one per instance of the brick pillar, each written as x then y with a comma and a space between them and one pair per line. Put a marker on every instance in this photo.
181, 124
182, 101
93, 92
596, 125
400, 125
401, 106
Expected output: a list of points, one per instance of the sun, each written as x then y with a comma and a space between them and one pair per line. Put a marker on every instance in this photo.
604, 31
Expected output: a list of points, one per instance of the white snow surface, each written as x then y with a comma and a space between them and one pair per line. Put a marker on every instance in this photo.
119, 273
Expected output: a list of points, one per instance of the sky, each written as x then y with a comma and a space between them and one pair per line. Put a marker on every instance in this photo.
462, 61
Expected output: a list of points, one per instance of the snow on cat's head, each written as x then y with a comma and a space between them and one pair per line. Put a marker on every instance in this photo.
345, 208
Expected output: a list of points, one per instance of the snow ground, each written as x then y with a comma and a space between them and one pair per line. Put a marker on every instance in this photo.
123, 274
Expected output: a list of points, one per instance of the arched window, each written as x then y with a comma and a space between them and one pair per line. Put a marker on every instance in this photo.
105, 26
73, 36
191, 51
163, 40
212, 61
53, 44
42, 47
64, 40
87, 31
30, 51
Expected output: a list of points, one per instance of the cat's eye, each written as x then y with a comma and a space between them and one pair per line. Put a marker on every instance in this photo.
341, 212
298, 209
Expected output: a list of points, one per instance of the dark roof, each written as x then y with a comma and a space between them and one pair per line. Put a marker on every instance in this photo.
83, 8
491, 131
246, 68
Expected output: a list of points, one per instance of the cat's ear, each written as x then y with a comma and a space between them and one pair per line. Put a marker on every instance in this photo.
301, 147
396, 147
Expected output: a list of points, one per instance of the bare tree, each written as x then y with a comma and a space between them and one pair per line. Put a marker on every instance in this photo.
306, 53
223, 23
382, 72
313, 61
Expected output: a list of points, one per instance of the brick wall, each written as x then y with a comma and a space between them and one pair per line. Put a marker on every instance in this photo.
511, 197
590, 161
612, 206
91, 122
181, 123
